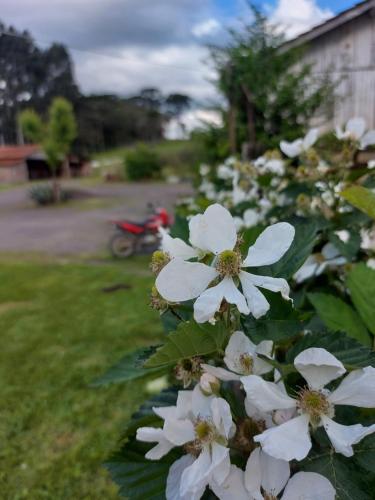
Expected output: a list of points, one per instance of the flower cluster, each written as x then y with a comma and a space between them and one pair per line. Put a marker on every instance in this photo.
267, 297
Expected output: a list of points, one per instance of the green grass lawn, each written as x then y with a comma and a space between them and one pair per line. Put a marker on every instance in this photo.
59, 331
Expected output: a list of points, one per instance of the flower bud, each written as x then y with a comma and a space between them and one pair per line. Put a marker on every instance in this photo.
209, 384
159, 260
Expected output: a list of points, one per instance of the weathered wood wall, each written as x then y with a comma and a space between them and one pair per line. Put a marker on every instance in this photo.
347, 54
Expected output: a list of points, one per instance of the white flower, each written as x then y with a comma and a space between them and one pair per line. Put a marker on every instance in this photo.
225, 172
371, 263
315, 405
299, 146
266, 477
241, 358
175, 247
204, 170
215, 232
205, 423
371, 164
317, 263
272, 165
355, 129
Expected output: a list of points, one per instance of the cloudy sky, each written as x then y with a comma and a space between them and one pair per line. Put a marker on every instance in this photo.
120, 46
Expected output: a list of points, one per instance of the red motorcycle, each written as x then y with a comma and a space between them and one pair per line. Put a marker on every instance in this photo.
138, 237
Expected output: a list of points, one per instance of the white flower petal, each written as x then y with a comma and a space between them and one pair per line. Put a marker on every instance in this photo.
253, 474
222, 416
179, 432
270, 245
292, 149
287, 441
233, 487
195, 477
343, 437
176, 247
256, 301
266, 396
275, 473
179, 280
260, 366
214, 230
329, 251
309, 486
238, 345
272, 284
220, 466
318, 367
310, 138
368, 139
201, 404
308, 269
356, 127
251, 217
208, 303
183, 404
357, 389
154, 435
220, 373
172, 491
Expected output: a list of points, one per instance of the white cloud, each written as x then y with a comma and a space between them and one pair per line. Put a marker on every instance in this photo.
190, 120
296, 16
172, 69
206, 28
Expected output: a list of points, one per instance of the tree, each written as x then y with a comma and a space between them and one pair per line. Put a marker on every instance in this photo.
56, 136
30, 76
269, 95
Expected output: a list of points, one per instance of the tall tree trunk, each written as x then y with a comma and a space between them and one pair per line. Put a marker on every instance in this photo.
250, 113
232, 128
56, 188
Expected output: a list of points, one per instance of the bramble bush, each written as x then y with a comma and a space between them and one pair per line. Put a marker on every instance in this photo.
266, 290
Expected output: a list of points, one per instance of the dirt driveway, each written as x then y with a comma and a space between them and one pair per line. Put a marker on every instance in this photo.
81, 226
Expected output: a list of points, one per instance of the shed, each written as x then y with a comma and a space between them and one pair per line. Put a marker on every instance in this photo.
344, 48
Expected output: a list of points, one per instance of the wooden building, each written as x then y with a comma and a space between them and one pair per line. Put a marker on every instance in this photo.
22, 163
344, 49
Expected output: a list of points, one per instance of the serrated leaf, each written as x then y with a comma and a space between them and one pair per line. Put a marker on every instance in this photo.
349, 351
364, 453
280, 323
337, 315
190, 339
127, 369
361, 198
137, 477
361, 283
348, 482
301, 248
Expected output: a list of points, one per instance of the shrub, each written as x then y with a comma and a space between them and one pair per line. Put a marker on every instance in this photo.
142, 163
44, 195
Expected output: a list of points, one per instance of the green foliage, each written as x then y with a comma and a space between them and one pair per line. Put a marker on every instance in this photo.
303, 243
142, 163
190, 339
32, 125
129, 368
362, 198
260, 82
281, 323
43, 194
340, 316
361, 284
348, 350
137, 477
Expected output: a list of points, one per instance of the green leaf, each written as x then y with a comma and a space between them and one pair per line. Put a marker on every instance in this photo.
362, 198
349, 351
339, 316
127, 369
364, 454
348, 481
301, 248
280, 323
137, 477
361, 283
190, 339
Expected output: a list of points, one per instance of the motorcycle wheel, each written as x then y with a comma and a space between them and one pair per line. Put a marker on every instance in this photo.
122, 245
